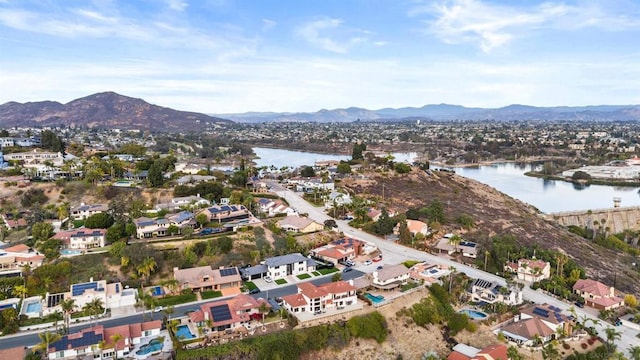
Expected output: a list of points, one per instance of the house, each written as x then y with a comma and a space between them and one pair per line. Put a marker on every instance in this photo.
205, 278
530, 269
18, 352
36, 157
176, 203
136, 175
299, 224
226, 213
445, 246
15, 258
374, 214
84, 211
537, 321
182, 219
227, 314
491, 292
597, 295
84, 239
274, 207
415, 227
97, 341
390, 276
280, 267
466, 352
121, 157
450, 246
428, 273
339, 251
147, 228
315, 299
337, 199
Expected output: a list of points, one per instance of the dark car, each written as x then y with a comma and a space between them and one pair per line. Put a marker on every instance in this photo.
254, 291
206, 231
579, 304
347, 269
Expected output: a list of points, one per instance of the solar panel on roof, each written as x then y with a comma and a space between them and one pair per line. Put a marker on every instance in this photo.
117, 288
228, 272
225, 208
541, 312
221, 313
87, 339
233, 208
79, 289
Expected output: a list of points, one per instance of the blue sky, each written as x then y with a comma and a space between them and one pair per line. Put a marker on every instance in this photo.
222, 56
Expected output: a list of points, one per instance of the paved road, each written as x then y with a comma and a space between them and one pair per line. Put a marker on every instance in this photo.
395, 254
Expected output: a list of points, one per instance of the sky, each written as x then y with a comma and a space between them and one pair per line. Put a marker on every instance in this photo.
226, 56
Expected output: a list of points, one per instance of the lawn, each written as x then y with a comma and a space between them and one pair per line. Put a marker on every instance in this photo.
210, 294
250, 285
328, 271
176, 300
303, 276
281, 281
315, 273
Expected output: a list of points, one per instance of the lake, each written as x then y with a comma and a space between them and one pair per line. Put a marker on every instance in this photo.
280, 158
549, 196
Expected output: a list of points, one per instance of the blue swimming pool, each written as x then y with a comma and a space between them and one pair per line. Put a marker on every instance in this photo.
34, 307
70, 252
474, 314
154, 345
376, 299
183, 333
157, 291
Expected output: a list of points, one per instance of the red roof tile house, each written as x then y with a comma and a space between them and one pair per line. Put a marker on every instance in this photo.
205, 278
466, 352
316, 299
597, 295
534, 321
530, 269
15, 258
227, 314
339, 251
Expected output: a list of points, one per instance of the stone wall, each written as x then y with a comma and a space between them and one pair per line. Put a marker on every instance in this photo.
616, 219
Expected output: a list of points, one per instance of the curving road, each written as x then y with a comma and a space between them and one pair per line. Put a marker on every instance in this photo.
396, 253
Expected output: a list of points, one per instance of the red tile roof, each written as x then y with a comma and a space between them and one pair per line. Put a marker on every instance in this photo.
593, 287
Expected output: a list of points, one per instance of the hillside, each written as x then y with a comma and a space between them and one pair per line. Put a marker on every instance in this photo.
495, 213
104, 110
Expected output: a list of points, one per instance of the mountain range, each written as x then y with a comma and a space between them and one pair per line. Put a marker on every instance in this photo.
112, 110
104, 110
446, 112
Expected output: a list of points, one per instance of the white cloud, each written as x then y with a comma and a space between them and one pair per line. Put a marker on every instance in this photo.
311, 32
268, 24
177, 5
491, 26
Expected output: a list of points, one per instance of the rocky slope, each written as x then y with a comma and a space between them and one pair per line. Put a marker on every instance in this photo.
495, 213
104, 110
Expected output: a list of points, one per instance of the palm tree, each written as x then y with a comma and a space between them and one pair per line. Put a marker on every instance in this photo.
635, 352
46, 339
94, 308
20, 291
147, 266
452, 270
68, 306
612, 336
513, 354
550, 351
114, 340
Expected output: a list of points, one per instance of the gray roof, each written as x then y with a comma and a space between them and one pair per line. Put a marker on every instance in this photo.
254, 270
288, 259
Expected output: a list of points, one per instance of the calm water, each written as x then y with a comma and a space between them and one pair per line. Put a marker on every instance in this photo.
280, 158
549, 195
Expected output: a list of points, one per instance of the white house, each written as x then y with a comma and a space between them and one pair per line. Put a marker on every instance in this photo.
390, 276
315, 299
492, 292
84, 239
84, 211
530, 269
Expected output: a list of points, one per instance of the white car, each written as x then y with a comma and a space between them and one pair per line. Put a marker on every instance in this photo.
267, 279
158, 309
368, 262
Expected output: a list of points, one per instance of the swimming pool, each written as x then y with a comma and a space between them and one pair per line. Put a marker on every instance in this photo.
70, 252
157, 291
34, 307
153, 346
376, 299
474, 314
183, 333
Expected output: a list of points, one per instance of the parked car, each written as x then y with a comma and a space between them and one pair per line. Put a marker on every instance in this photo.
268, 279
368, 262
254, 291
349, 263
158, 309
378, 258
347, 269
579, 304
206, 231
379, 267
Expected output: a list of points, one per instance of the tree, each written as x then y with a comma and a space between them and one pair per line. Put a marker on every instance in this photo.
404, 233
634, 351
358, 150
147, 267
68, 306
630, 300
513, 354
344, 168
99, 221
612, 335
307, 171
336, 277
41, 231
402, 168
385, 224
114, 233
20, 291
550, 351
201, 219
155, 177
46, 339
94, 308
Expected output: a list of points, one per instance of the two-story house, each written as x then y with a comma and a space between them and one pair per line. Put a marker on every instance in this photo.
339, 251
491, 292
227, 314
13, 259
85, 210
597, 295
316, 299
390, 276
203, 278
84, 239
531, 270
226, 213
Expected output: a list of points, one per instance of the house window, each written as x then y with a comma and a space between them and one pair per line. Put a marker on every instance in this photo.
60, 354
